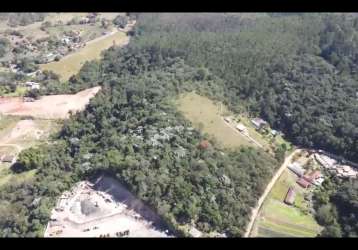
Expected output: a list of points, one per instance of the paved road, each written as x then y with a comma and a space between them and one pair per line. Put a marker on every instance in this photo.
256, 210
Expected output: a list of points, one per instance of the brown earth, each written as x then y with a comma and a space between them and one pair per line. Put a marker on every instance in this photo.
48, 107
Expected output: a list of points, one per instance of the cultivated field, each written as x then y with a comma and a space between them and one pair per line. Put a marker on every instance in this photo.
102, 207
48, 107
277, 219
71, 64
201, 110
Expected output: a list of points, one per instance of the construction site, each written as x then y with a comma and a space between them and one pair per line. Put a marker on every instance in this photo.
103, 208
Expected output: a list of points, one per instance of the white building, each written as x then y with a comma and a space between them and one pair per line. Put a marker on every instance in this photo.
241, 127
32, 85
296, 168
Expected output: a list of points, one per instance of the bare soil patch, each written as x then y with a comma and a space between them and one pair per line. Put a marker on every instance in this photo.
48, 107
102, 207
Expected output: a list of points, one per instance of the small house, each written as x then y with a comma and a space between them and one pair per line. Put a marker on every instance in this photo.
204, 144
28, 99
318, 181
290, 196
297, 169
66, 40
241, 127
258, 123
274, 132
9, 159
303, 183
32, 85
227, 119
346, 168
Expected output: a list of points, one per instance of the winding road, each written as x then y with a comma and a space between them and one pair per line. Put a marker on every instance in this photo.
256, 210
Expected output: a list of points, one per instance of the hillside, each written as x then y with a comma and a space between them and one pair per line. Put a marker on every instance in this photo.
296, 71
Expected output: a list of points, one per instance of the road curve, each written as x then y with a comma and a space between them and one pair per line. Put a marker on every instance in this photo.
256, 210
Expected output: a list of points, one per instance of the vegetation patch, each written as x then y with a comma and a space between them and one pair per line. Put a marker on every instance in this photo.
72, 63
282, 219
207, 116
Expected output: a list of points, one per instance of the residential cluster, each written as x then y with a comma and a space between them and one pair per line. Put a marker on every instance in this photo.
336, 166
306, 177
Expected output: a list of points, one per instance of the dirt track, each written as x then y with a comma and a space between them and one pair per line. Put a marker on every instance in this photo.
256, 210
48, 107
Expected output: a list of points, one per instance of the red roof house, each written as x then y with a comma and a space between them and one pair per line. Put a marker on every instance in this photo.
311, 177
204, 144
290, 196
303, 183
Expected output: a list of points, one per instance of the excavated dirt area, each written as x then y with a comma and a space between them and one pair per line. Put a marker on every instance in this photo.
48, 107
103, 207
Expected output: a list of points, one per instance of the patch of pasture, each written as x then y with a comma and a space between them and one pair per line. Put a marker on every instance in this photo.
72, 63
207, 115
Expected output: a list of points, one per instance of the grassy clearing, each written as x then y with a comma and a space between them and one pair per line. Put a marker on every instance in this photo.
20, 91
280, 220
7, 123
7, 176
253, 132
88, 32
203, 112
72, 63
110, 15
292, 231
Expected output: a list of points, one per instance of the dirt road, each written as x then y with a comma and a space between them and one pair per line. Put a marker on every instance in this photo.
256, 210
243, 134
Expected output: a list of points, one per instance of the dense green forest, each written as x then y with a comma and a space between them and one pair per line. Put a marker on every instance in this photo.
337, 206
295, 70
132, 130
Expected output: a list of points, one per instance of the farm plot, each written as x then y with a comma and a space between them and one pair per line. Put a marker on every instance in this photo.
277, 219
71, 64
48, 107
205, 114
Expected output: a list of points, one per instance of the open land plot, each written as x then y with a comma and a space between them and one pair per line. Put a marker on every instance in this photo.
71, 64
203, 111
34, 30
16, 135
48, 107
277, 219
110, 15
102, 207
88, 32
8, 176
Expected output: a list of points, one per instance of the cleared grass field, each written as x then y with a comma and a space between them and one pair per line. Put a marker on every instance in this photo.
7, 176
17, 134
202, 111
280, 220
20, 91
72, 63
7, 123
